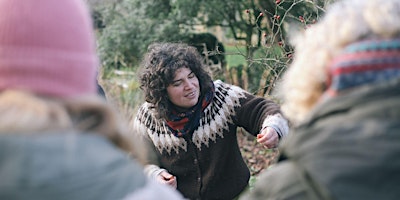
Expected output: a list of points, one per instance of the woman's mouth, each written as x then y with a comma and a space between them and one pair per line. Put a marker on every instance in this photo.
191, 94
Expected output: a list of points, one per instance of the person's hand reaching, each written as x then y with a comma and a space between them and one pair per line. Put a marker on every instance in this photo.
268, 137
166, 178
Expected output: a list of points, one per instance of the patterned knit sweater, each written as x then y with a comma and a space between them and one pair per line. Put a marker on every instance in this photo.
208, 163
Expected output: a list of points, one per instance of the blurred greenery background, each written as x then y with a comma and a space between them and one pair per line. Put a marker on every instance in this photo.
244, 42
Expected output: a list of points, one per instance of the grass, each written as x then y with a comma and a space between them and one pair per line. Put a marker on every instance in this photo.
235, 55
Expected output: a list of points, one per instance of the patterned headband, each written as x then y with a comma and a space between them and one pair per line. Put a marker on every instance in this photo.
365, 62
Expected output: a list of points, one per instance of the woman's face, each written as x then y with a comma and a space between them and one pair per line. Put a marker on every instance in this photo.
184, 91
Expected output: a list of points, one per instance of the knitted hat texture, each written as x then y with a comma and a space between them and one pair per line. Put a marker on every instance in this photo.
47, 47
365, 62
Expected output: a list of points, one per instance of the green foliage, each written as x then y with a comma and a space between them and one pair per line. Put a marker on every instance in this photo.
235, 55
273, 60
130, 26
127, 27
252, 181
122, 91
270, 58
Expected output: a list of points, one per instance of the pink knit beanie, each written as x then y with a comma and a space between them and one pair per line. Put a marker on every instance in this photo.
47, 47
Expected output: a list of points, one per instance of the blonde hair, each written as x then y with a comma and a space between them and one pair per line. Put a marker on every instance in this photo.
345, 22
26, 113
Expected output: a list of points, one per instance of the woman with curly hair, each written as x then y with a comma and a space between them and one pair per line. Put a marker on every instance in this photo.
342, 93
190, 124
58, 138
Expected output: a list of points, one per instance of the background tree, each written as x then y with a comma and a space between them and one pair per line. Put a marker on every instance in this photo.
127, 27
128, 30
261, 26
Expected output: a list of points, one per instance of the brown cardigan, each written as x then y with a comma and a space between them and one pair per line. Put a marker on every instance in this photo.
208, 164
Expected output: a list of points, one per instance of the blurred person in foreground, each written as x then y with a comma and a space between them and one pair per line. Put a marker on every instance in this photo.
342, 92
190, 122
58, 138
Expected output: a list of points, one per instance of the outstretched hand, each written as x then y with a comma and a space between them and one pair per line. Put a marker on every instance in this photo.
166, 178
268, 137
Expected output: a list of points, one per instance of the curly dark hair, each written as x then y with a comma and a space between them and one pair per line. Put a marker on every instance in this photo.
159, 65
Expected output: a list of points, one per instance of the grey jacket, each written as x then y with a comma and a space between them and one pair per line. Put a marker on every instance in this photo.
70, 166
348, 149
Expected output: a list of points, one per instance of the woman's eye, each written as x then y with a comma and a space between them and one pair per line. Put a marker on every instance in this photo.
191, 75
176, 84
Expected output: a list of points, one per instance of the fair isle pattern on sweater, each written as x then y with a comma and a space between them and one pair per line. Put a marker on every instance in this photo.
215, 119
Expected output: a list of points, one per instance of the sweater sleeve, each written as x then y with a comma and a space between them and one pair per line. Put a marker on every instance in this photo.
278, 122
256, 113
152, 171
147, 152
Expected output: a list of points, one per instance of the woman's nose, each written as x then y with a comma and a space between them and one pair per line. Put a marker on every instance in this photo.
188, 85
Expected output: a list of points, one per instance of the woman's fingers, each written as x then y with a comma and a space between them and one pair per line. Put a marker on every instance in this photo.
167, 178
268, 137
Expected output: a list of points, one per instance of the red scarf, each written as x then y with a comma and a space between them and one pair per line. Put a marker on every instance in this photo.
184, 123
